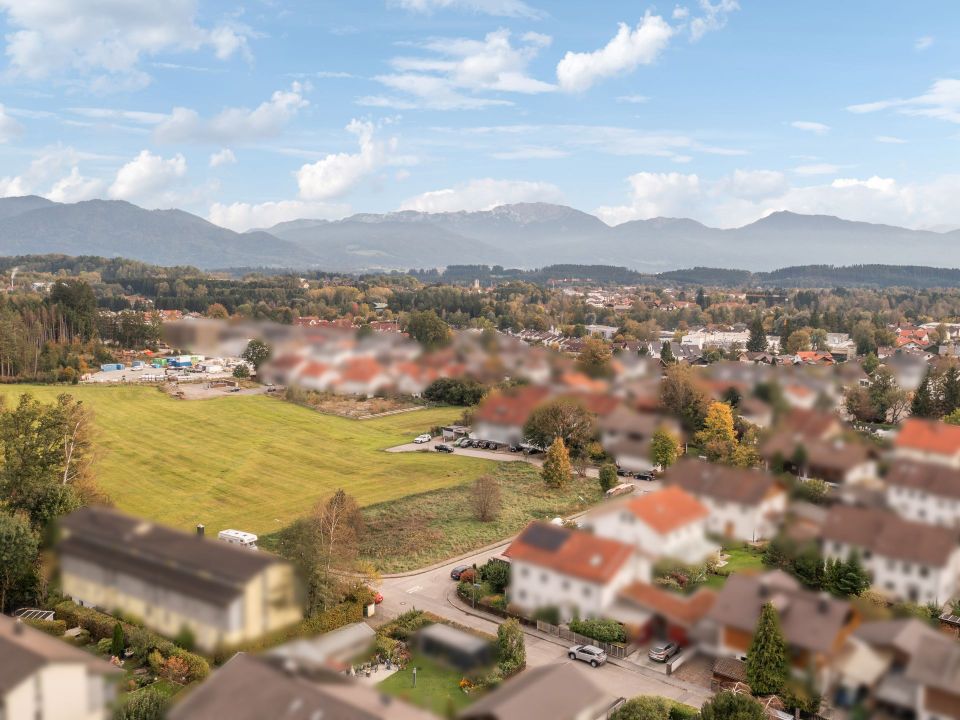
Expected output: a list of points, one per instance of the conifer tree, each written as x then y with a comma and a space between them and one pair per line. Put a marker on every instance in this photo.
556, 467
767, 666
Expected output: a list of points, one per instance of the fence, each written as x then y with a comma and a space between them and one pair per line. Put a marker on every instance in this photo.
611, 649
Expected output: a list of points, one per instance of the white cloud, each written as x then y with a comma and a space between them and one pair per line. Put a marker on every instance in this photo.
731, 201
531, 152
890, 140
45, 176
923, 43
337, 173
459, 69
624, 53
9, 128
808, 126
74, 188
234, 124
941, 101
137, 116
503, 8
680, 12
241, 216
149, 178
222, 157
714, 17
818, 169
48, 37
633, 99
483, 194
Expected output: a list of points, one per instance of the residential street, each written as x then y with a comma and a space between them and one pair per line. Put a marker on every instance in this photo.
433, 590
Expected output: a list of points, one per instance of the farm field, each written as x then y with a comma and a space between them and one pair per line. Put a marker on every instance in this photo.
250, 462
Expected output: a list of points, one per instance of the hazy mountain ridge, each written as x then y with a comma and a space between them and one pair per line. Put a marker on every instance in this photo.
525, 235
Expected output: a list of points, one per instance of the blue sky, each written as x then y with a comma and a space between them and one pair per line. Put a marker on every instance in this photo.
253, 113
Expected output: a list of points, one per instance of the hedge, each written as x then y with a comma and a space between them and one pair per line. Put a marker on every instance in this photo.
51, 627
322, 622
141, 640
609, 631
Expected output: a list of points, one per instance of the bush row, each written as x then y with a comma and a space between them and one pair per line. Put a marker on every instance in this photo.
51, 627
608, 631
322, 622
140, 640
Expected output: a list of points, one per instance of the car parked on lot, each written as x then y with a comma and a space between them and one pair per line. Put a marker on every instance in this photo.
458, 571
588, 653
663, 651
646, 475
516, 448
443, 448
420, 439
463, 442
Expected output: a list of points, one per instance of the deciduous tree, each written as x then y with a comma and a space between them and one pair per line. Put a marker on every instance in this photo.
486, 498
664, 448
564, 418
18, 558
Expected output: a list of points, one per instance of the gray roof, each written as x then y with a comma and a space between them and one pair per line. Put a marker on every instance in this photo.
809, 620
558, 692
887, 534
938, 665
318, 650
907, 635
207, 569
25, 650
452, 637
253, 688
745, 487
931, 478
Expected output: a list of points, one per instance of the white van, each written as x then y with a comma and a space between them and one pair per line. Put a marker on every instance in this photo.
238, 537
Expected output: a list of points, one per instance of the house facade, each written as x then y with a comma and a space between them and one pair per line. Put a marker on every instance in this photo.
906, 560
929, 441
44, 677
924, 492
742, 504
224, 594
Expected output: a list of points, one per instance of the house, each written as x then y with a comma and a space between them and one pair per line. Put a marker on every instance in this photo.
650, 612
669, 523
362, 376
574, 571
815, 626
928, 441
224, 594
813, 357
924, 492
936, 671
835, 461
908, 368
742, 504
501, 416
625, 434
906, 560
607, 332
251, 687
563, 691
44, 677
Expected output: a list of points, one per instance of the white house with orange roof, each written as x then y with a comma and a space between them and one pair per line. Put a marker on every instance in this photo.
668, 523
928, 441
362, 376
576, 572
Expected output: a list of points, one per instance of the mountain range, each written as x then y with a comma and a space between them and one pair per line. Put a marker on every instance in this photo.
526, 235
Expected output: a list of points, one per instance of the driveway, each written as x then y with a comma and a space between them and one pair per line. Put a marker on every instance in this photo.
433, 590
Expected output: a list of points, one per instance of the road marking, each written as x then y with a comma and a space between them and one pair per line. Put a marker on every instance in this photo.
415, 588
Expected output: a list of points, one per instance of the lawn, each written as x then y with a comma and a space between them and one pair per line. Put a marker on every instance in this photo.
252, 462
438, 687
741, 559
419, 530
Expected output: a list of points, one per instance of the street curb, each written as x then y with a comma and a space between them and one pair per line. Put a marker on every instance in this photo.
632, 667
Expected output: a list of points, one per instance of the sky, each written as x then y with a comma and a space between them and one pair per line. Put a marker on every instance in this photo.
253, 113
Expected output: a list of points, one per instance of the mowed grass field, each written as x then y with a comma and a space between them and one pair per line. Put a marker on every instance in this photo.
252, 462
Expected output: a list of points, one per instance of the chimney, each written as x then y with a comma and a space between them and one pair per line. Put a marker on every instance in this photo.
18, 627
199, 530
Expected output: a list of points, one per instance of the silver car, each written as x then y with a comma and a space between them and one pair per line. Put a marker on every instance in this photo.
588, 653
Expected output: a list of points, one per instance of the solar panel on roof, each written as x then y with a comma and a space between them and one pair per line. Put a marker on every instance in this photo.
545, 537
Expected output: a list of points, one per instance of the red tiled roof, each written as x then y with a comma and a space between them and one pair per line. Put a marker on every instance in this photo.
667, 509
682, 610
580, 554
929, 436
314, 370
361, 370
511, 408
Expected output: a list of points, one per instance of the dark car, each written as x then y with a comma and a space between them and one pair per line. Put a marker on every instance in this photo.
663, 651
458, 571
648, 476
516, 448
444, 448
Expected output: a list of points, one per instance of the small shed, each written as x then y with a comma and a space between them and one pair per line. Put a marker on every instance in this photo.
454, 432
333, 648
454, 647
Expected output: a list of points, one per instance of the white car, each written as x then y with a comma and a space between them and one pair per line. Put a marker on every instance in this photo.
419, 439
588, 653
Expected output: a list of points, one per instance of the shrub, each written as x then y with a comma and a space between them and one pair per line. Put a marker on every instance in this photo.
549, 614
603, 630
405, 625
468, 576
644, 707
118, 642
679, 711
185, 638
155, 661
50, 627
103, 646
147, 704
731, 706
175, 669
497, 573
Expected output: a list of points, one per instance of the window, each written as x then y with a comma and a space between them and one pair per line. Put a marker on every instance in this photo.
867, 554
524, 572
924, 571
566, 584
586, 591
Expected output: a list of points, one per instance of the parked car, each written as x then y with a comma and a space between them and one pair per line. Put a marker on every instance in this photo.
476, 443
236, 390
420, 439
458, 571
463, 442
623, 473
646, 475
663, 651
588, 653
516, 448
443, 448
